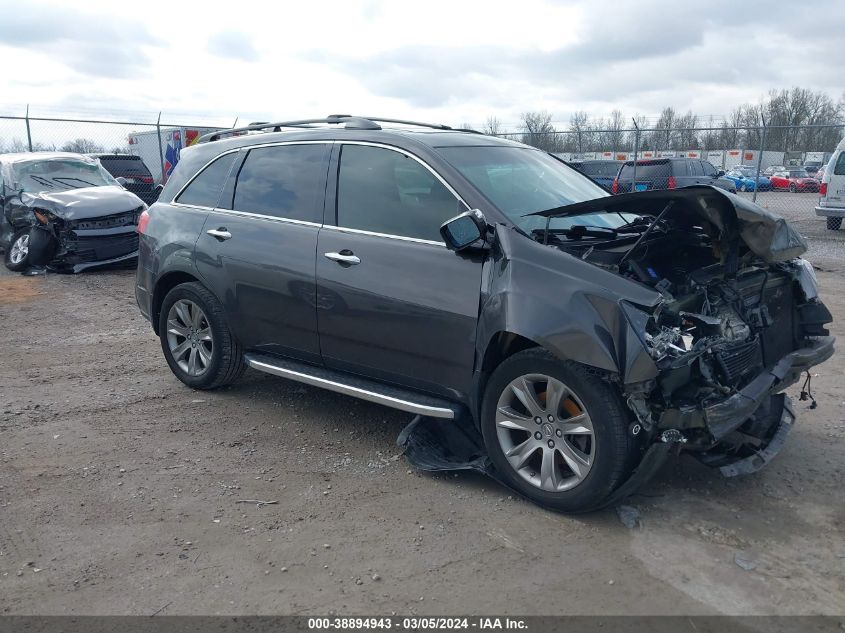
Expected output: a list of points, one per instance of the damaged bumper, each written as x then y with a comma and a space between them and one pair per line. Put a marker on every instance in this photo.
76, 249
723, 417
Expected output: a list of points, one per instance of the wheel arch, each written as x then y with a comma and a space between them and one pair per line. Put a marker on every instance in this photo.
165, 284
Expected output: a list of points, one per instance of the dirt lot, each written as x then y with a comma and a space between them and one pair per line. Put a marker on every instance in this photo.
120, 491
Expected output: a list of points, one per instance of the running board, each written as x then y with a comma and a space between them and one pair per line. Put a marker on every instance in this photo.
355, 386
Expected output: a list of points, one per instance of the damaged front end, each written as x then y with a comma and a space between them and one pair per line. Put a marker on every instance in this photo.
71, 237
738, 322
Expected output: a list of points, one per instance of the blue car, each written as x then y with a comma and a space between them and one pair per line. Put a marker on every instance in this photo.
743, 177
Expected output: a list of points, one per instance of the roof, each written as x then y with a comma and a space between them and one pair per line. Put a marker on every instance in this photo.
339, 126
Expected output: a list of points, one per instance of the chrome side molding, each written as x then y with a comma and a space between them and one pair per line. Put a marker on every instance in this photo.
403, 403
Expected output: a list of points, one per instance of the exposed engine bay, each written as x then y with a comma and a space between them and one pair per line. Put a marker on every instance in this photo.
739, 319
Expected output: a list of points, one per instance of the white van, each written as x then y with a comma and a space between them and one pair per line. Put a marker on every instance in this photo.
832, 190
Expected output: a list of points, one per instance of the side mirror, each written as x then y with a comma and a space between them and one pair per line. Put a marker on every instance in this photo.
720, 173
157, 191
464, 230
121, 181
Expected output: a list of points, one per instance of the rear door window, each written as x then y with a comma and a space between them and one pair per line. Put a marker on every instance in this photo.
125, 166
204, 190
694, 167
283, 181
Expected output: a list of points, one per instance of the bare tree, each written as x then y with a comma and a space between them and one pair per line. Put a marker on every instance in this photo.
538, 131
492, 126
579, 124
662, 136
82, 146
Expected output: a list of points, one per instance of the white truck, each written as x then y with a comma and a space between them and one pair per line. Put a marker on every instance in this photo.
160, 154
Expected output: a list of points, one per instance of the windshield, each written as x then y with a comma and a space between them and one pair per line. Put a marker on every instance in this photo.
798, 173
521, 181
748, 172
59, 175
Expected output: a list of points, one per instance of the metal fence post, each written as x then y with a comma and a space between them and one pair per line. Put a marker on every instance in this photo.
160, 149
759, 157
28, 133
636, 151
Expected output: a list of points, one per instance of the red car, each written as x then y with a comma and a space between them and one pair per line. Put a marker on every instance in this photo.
794, 180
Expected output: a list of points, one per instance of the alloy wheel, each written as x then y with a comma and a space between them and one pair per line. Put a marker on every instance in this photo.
189, 337
545, 432
20, 249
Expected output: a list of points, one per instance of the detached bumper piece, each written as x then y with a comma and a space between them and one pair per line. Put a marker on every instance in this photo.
765, 454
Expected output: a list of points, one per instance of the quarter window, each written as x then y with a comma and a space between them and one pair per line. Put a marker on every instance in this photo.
839, 168
284, 181
384, 191
204, 190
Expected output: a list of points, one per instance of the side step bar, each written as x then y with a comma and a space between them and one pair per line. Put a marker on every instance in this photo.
355, 386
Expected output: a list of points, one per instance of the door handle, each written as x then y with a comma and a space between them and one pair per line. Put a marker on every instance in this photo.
220, 234
345, 257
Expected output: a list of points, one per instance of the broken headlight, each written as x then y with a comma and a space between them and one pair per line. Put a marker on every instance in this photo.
44, 217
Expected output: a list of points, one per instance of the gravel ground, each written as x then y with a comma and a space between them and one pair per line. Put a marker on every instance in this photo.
121, 492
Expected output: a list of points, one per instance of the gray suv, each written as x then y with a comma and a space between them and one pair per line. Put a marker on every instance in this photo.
669, 173
461, 276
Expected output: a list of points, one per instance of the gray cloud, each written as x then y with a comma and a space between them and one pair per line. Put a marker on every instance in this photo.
636, 52
232, 44
92, 45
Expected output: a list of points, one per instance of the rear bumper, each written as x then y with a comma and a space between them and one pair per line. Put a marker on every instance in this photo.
831, 212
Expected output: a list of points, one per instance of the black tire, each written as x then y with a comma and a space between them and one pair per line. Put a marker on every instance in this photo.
834, 224
21, 264
793, 188
615, 451
227, 360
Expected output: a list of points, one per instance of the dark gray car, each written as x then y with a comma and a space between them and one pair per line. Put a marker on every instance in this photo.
669, 173
461, 276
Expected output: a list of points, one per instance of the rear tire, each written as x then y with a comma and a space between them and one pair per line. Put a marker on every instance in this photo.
17, 254
793, 188
834, 224
580, 450
196, 339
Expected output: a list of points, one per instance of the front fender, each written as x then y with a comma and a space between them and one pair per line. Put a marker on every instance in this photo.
575, 310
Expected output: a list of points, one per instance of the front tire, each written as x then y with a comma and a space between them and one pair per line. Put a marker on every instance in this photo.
834, 224
17, 255
196, 339
555, 432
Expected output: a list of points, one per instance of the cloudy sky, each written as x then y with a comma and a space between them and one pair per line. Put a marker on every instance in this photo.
446, 61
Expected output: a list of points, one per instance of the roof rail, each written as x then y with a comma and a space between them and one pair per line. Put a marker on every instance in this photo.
350, 121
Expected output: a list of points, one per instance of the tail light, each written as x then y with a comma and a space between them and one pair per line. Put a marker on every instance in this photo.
614, 188
143, 220
672, 183
147, 180
823, 189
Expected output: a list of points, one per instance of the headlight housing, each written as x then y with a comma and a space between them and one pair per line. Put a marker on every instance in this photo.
44, 217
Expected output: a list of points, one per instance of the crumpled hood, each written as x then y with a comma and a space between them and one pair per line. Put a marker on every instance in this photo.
88, 202
769, 236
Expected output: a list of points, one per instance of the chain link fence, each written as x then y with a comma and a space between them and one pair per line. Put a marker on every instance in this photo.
777, 166
157, 143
